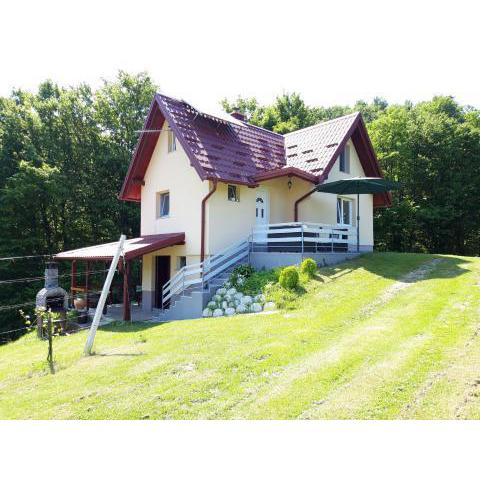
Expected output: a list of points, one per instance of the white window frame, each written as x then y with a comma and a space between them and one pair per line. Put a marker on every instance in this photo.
236, 197
344, 159
340, 206
160, 196
172, 141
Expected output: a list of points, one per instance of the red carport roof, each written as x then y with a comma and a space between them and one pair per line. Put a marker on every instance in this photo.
134, 247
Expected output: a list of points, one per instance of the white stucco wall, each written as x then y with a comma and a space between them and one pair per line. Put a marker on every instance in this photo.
172, 172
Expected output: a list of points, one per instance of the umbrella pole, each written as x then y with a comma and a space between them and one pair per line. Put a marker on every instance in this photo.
358, 222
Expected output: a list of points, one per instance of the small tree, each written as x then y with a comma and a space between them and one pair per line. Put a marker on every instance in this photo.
48, 327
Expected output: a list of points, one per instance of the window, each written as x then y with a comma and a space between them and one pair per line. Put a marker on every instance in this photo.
233, 193
344, 211
163, 204
181, 262
344, 162
172, 141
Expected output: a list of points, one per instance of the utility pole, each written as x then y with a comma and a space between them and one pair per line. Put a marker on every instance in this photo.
103, 297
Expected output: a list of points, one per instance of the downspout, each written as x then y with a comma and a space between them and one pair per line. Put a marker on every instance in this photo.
202, 234
302, 198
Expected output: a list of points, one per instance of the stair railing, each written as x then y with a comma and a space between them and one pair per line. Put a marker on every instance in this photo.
200, 273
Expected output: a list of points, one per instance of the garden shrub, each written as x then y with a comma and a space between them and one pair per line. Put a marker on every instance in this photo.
289, 278
309, 267
243, 270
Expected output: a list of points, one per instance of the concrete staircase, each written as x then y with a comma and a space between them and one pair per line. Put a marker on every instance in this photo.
192, 301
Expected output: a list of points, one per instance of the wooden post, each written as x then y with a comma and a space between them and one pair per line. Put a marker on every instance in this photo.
73, 281
87, 283
126, 293
40, 327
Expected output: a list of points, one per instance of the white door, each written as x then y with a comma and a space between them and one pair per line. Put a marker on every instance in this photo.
261, 215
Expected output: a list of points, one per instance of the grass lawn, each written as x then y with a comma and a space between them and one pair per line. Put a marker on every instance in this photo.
385, 336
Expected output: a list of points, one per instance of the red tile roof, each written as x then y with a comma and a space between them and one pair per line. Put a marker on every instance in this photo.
311, 149
133, 247
229, 150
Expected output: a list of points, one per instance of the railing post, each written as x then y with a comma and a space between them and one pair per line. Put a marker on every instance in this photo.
303, 245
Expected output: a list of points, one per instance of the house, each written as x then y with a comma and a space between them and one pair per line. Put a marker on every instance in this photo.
214, 189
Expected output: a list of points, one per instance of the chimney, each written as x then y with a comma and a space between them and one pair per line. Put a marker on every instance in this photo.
51, 275
238, 115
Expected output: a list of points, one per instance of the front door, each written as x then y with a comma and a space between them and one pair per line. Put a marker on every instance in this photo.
162, 276
261, 215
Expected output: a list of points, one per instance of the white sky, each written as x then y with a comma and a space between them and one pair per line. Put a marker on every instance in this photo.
331, 52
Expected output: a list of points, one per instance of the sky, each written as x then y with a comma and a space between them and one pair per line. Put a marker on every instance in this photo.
331, 52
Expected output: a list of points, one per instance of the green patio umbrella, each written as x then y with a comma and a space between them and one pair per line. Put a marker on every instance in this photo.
358, 186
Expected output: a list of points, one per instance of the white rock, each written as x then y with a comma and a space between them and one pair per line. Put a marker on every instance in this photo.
256, 307
229, 311
207, 312
221, 291
241, 309
212, 305
269, 306
231, 291
218, 312
246, 300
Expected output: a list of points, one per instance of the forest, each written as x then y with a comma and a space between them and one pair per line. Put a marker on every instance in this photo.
64, 152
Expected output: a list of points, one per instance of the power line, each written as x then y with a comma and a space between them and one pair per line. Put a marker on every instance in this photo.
25, 256
26, 304
36, 279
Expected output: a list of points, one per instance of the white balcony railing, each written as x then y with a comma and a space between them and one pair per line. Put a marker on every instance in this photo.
303, 237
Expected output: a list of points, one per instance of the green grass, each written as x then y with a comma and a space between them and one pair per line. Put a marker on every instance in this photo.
357, 345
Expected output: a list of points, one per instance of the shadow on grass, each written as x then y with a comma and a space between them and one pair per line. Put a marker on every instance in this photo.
119, 354
396, 265
129, 327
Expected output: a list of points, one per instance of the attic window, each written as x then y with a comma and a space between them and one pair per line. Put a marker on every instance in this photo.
163, 204
344, 163
172, 141
233, 193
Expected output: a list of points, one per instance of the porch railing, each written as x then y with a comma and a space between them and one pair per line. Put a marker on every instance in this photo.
300, 237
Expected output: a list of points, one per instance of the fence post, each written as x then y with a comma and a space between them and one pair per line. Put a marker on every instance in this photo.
50, 342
